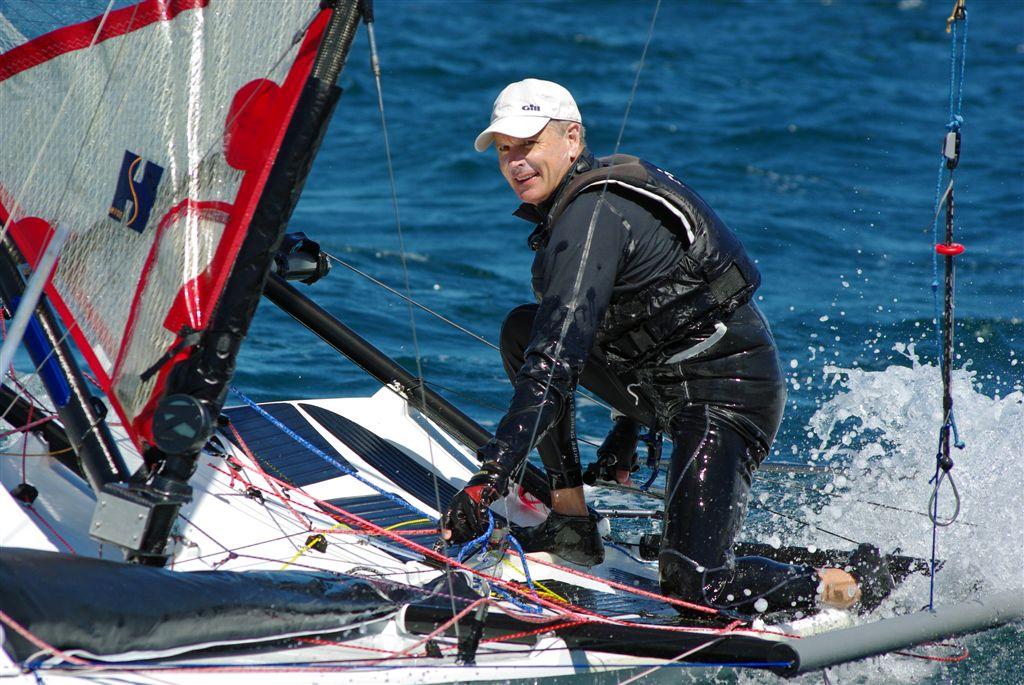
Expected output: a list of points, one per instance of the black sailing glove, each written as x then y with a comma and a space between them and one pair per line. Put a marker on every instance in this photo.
466, 517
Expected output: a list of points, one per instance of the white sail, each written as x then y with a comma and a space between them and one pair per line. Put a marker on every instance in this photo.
149, 131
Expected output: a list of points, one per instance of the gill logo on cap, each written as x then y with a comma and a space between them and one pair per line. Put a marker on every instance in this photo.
531, 108
133, 198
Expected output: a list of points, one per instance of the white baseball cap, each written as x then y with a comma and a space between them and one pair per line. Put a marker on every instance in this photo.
523, 108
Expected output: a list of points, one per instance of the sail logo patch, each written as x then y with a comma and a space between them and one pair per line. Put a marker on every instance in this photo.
136, 191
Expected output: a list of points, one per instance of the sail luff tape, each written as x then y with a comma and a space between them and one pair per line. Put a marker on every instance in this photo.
30, 298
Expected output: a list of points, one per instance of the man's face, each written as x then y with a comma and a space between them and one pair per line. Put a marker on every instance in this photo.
535, 166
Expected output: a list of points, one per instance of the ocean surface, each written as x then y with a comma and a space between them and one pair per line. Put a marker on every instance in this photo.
814, 130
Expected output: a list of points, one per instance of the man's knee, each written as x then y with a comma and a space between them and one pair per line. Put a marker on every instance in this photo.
515, 329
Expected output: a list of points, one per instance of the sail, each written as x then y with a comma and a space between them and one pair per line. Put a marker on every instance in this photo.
149, 129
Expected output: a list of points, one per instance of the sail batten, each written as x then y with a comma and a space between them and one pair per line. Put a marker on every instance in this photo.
177, 112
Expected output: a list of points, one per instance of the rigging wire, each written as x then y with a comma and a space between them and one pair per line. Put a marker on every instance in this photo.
413, 302
577, 287
944, 323
366, 9
410, 300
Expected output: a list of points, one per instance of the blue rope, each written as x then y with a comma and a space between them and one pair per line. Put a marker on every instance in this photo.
36, 666
522, 559
479, 544
528, 608
463, 553
627, 553
955, 122
481, 541
326, 457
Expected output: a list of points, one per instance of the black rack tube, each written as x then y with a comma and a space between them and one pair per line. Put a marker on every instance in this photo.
374, 362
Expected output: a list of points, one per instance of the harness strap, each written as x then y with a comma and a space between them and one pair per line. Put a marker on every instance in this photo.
722, 296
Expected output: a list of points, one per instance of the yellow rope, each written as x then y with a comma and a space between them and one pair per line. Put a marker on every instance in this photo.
546, 590
309, 545
35, 454
407, 523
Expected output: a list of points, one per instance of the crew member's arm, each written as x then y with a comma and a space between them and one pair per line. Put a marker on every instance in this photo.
576, 288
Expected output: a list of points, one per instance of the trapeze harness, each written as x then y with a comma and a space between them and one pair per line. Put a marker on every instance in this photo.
662, 328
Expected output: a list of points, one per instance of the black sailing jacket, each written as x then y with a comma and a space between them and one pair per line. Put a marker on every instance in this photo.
630, 259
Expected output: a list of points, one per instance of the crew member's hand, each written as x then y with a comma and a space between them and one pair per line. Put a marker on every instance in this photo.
466, 517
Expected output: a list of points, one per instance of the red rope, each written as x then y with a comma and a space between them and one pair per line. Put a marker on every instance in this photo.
440, 629
564, 609
24, 632
962, 656
304, 522
346, 645
535, 631
50, 528
626, 588
24, 449
28, 426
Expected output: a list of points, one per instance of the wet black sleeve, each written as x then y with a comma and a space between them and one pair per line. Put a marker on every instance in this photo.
578, 271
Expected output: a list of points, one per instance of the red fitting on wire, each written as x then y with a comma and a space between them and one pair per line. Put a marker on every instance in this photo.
949, 249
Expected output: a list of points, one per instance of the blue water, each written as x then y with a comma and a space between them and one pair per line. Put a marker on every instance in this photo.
814, 129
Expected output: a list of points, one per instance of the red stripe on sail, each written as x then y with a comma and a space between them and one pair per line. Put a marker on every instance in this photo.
80, 36
179, 313
264, 126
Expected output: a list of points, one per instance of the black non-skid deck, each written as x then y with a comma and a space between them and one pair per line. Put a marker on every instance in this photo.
386, 513
285, 458
385, 458
277, 452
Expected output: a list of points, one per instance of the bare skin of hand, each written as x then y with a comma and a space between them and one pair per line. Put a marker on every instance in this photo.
838, 588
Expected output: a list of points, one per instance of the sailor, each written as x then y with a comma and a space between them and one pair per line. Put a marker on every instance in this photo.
644, 297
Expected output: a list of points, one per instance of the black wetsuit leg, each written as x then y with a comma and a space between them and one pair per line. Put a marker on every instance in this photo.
705, 502
559, 451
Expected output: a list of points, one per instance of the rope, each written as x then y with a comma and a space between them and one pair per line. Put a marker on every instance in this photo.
673, 660
568, 610
944, 323
471, 547
322, 455
25, 633
376, 71
259, 469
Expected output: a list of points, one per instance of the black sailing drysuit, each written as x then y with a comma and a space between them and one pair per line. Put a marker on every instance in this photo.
646, 301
